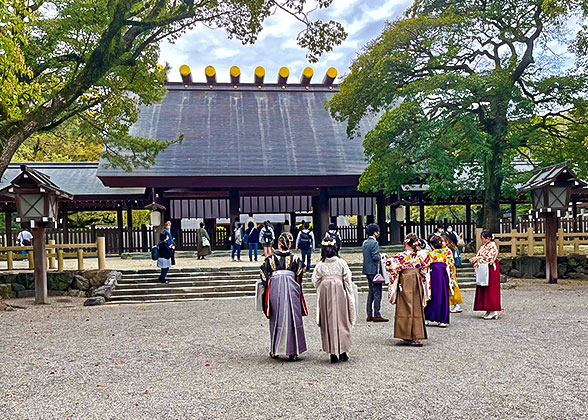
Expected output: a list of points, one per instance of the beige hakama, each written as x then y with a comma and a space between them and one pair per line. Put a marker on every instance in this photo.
409, 320
334, 319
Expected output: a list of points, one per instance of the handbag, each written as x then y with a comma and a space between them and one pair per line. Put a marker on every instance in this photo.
482, 274
457, 258
379, 278
205, 241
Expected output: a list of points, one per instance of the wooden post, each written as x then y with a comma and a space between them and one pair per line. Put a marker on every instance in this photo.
30, 257
360, 230
513, 214
120, 229
530, 241
9, 260
551, 247
468, 235
576, 245
478, 238
8, 224
80, 253
560, 241
422, 218
101, 246
65, 226
513, 244
60, 260
130, 228
52, 251
381, 215
145, 239
407, 220
40, 265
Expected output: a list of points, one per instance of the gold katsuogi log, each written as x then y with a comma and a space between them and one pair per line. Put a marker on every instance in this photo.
283, 74
330, 76
235, 74
258, 75
186, 74
307, 74
210, 73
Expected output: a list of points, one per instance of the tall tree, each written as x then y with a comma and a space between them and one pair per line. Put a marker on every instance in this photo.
95, 61
464, 89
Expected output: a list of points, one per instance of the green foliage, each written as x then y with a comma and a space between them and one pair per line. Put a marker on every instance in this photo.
94, 63
463, 90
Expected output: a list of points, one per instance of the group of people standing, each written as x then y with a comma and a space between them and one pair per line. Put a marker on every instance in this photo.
422, 283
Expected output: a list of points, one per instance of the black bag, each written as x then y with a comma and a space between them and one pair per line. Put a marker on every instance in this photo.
155, 253
267, 235
26, 242
305, 241
232, 239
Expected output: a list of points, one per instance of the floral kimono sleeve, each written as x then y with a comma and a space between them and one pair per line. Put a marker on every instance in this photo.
488, 254
394, 266
451, 266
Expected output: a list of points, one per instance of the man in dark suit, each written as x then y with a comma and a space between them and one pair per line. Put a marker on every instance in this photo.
371, 267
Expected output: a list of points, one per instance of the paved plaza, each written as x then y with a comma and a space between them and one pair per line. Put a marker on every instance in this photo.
209, 359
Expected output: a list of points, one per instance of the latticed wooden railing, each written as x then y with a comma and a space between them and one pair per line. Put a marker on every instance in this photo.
525, 243
56, 253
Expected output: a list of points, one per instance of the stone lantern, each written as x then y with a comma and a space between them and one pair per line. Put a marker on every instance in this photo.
551, 190
36, 199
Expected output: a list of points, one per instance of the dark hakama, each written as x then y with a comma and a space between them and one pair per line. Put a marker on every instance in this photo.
334, 318
488, 297
284, 305
437, 308
409, 319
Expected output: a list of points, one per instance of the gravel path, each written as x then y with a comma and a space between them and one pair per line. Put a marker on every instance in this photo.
209, 360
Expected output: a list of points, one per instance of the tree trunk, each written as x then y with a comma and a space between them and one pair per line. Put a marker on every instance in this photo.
493, 184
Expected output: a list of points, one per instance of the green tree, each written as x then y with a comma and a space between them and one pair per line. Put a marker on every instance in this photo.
463, 89
95, 62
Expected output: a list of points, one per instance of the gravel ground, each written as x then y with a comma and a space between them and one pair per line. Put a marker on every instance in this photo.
209, 360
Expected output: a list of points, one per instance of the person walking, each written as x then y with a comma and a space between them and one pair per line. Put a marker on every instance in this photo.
266, 238
286, 226
24, 238
335, 312
305, 243
437, 309
237, 240
251, 237
202, 242
409, 291
333, 233
284, 305
371, 266
488, 297
165, 251
171, 239
455, 299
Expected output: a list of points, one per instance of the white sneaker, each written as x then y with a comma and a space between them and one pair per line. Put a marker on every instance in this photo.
443, 325
457, 308
452, 309
427, 322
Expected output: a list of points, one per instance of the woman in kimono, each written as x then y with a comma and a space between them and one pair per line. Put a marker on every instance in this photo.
408, 289
202, 242
455, 299
335, 301
488, 297
437, 309
283, 302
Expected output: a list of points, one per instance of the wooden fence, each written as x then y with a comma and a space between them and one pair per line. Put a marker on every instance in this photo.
55, 254
525, 243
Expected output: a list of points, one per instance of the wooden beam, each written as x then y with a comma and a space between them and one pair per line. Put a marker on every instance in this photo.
422, 218
40, 265
8, 225
120, 230
130, 228
551, 247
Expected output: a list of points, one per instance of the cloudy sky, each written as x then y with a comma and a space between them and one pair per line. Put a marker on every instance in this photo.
276, 47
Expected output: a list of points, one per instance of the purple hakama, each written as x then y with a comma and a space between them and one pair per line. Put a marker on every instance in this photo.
437, 308
286, 305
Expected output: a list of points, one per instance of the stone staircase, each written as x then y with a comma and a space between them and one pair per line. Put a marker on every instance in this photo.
142, 286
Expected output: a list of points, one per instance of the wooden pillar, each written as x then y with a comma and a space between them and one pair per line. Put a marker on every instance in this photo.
65, 226
575, 214
360, 230
513, 215
551, 247
210, 226
130, 228
8, 225
120, 229
234, 205
40, 265
422, 218
468, 233
407, 220
395, 228
320, 214
292, 225
381, 214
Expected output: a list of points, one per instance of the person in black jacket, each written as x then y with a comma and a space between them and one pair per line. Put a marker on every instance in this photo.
164, 254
